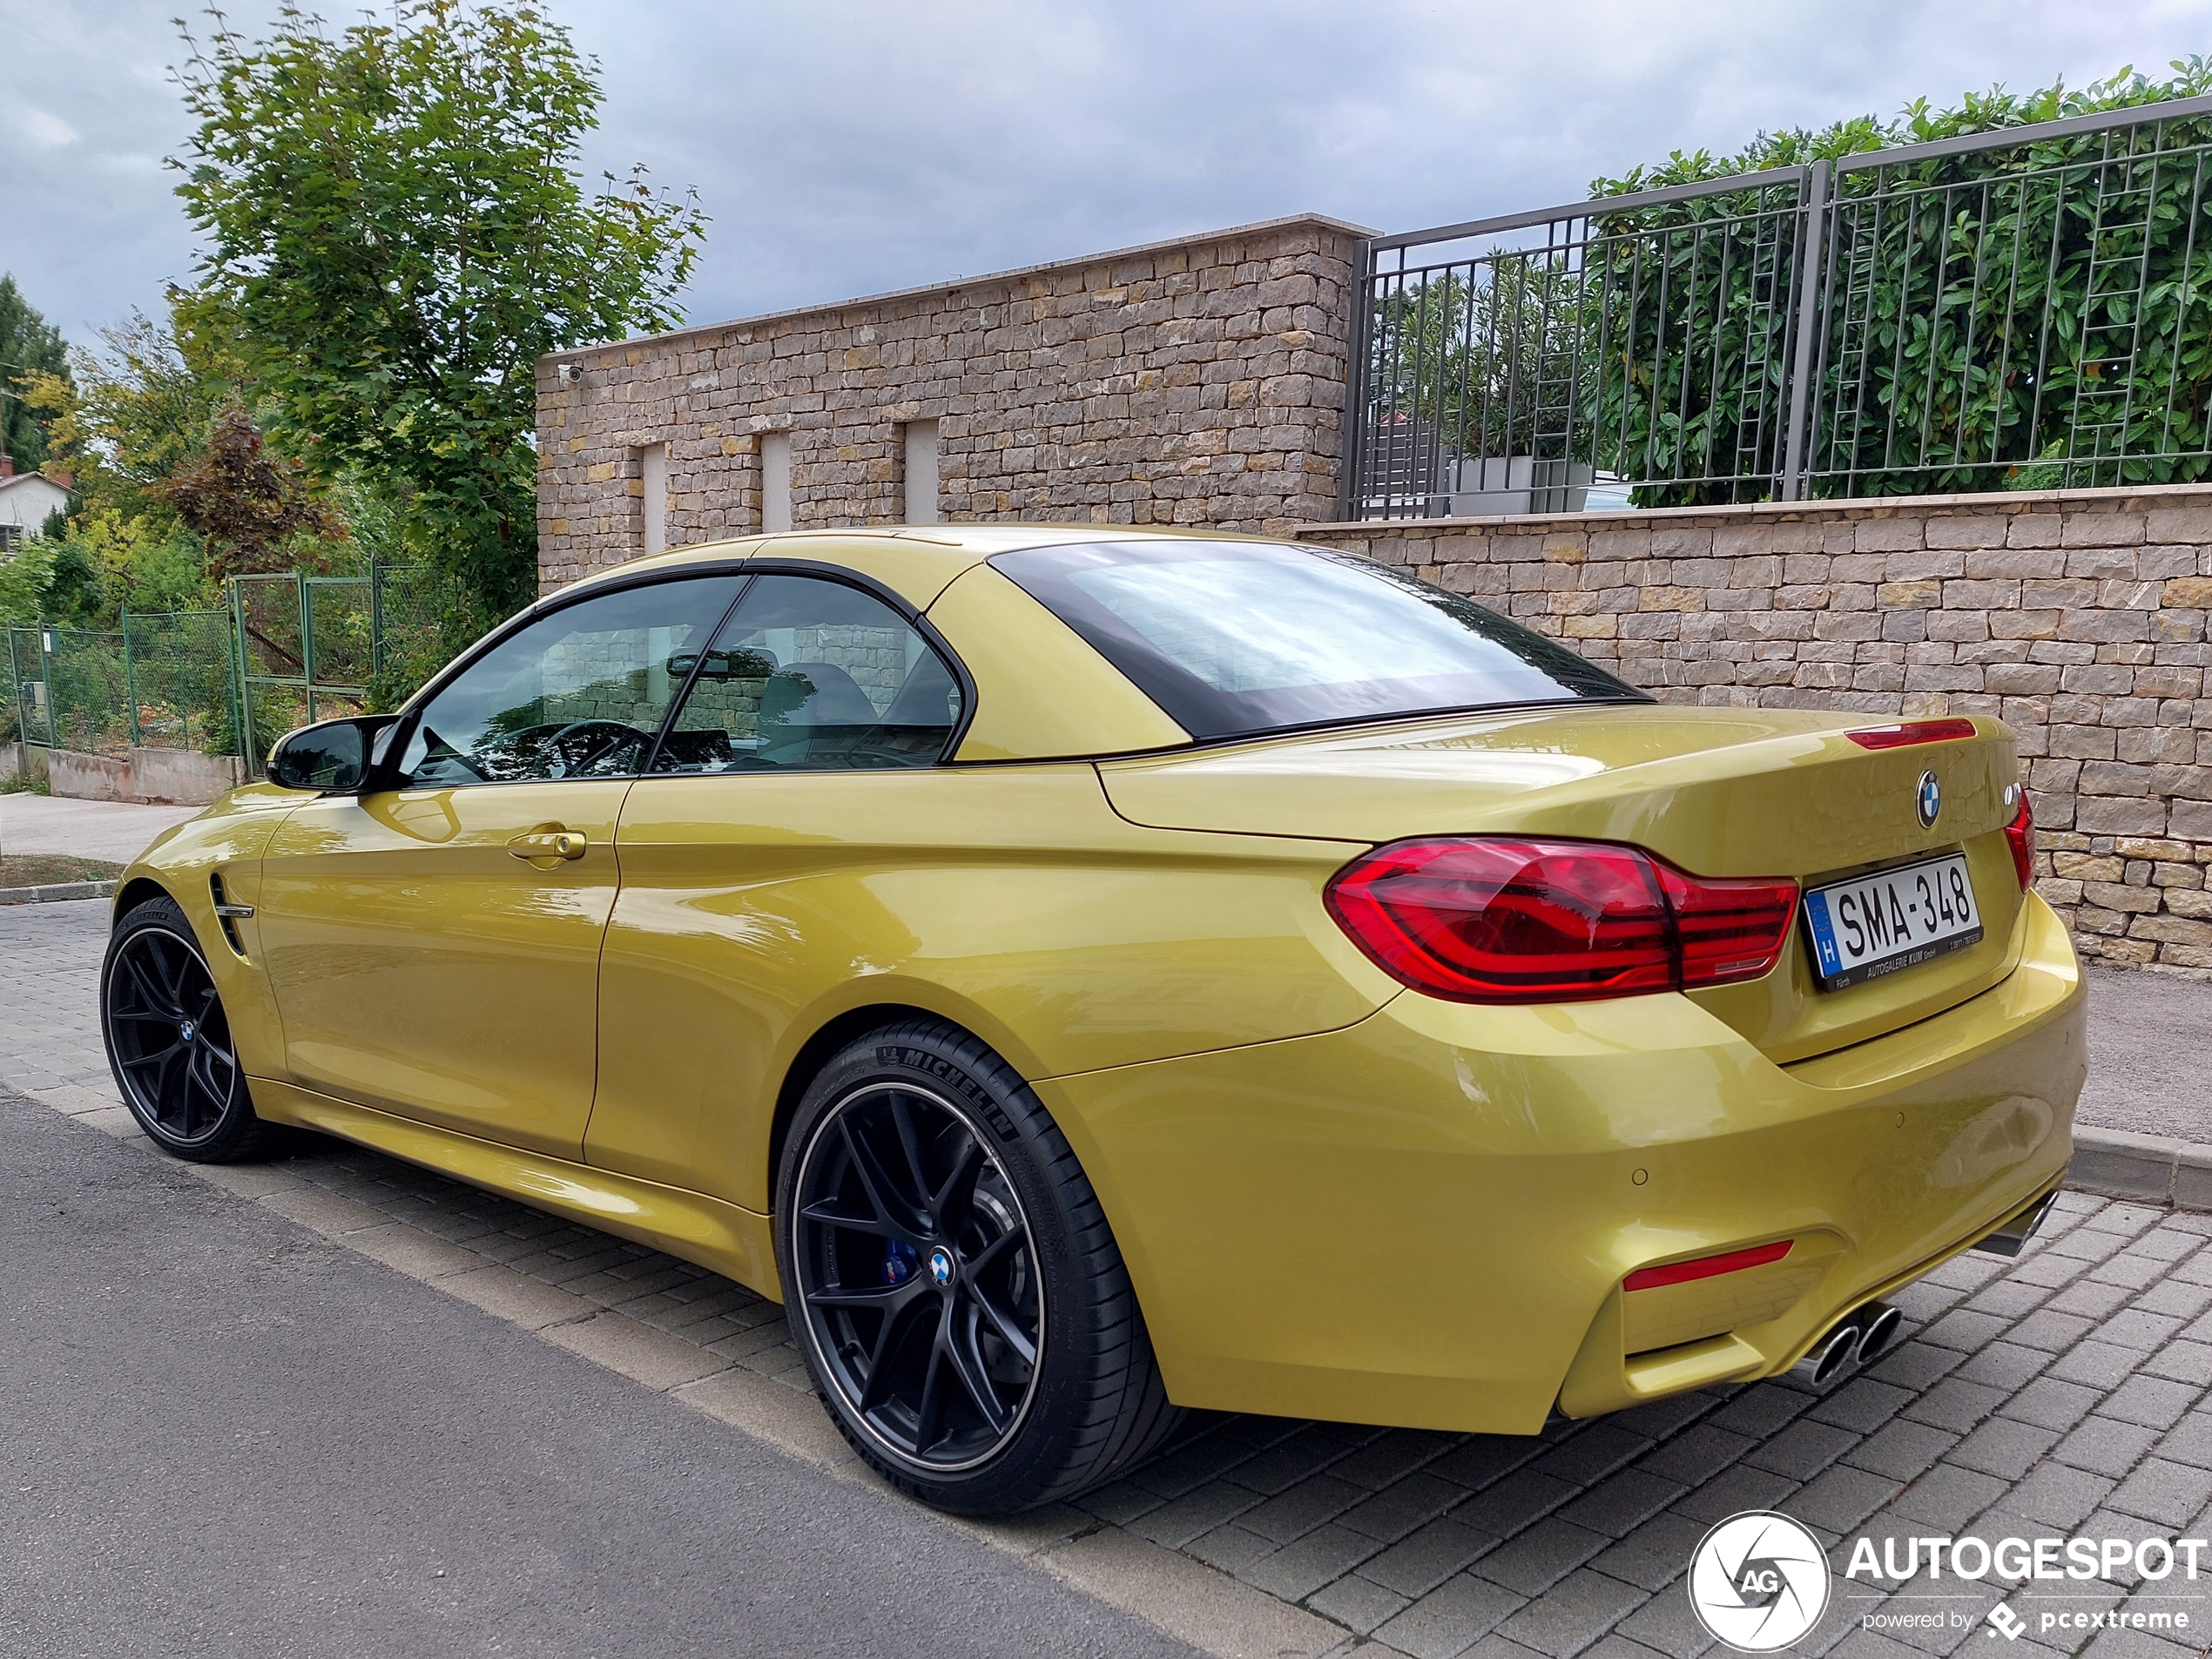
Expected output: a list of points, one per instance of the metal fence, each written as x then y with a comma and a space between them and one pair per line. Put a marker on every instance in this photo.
2025, 308
163, 681
289, 649
313, 648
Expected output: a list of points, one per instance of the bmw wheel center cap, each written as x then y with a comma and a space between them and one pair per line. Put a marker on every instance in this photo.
940, 1266
1929, 799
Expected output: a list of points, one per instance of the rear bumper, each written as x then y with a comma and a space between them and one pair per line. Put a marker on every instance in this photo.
1424, 1219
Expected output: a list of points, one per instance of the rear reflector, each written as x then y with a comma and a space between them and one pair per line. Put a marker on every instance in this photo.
1483, 920
2019, 836
1650, 1278
1911, 732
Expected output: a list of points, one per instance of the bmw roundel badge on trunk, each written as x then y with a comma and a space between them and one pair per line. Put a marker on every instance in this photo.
1929, 799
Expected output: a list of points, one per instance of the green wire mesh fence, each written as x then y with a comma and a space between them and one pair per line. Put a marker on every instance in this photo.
316, 648
161, 681
289, 649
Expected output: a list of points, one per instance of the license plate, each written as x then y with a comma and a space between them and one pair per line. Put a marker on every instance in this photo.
1873, 925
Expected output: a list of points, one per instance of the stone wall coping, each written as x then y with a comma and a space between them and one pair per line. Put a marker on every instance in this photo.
2008, 501
1198, 238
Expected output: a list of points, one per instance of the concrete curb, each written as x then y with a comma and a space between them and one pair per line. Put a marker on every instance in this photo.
2149, 1169
55, 892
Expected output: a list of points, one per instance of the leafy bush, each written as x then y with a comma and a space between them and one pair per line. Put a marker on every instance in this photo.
2019, 317
2027, 316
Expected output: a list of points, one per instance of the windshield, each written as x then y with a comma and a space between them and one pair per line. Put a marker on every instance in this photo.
1233, 638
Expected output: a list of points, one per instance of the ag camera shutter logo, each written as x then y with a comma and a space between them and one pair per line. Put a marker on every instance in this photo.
1758, 1582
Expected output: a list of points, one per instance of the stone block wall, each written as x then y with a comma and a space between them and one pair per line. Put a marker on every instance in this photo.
1202, 381
2076, 616
1196, 382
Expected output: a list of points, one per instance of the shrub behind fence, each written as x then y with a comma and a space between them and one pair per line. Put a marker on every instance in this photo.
289, 649
2027, 308
162, 680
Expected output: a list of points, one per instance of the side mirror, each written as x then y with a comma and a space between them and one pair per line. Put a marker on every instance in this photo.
331, 756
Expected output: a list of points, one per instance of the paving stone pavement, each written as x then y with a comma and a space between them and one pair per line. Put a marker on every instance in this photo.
2066, 1394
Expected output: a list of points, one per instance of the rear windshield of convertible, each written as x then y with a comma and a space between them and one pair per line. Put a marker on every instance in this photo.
1236, 638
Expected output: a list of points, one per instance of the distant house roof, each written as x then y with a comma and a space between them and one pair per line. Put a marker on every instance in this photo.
27, 498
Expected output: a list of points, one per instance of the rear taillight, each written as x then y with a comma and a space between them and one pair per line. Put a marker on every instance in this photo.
1481, 921
2019, 836
1910, 732
1727, 930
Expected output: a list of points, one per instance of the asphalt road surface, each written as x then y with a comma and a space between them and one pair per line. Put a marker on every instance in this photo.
220, 1435
84, 829
2150, 1055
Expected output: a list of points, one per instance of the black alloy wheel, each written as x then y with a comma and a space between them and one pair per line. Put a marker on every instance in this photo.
169, 1043
960, 1299
918, 1276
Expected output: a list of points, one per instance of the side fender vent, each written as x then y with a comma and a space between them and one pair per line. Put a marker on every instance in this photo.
227, 915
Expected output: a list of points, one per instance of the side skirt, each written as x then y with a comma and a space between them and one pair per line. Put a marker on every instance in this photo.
734, 1242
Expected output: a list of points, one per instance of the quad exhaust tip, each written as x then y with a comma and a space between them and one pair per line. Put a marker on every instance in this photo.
1829, 1359
1878, 1332
2011, 1237
1860, 1337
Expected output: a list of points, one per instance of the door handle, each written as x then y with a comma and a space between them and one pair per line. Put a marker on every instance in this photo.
549, 844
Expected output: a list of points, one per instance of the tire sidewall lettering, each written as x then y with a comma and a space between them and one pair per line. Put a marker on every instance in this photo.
941, 1071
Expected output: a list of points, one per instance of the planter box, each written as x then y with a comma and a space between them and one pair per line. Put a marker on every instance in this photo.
1505, 484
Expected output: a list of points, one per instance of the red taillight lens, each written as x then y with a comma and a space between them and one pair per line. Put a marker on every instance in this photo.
1509, 921
1650, 1278
2020, 835
1728, 930
1911, 732
1554, 921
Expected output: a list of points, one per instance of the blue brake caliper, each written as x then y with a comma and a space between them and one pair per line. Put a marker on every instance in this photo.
899, 1262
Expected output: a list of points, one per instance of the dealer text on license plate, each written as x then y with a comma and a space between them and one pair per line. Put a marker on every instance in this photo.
1873, 925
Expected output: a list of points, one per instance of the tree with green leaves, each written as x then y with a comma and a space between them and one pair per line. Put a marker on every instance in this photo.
126, 418
396, 228
29, 346
128, 422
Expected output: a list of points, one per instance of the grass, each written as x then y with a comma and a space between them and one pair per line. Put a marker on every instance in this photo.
23, 784
50, 869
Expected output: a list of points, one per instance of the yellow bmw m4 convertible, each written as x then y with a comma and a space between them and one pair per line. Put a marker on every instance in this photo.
1084, 974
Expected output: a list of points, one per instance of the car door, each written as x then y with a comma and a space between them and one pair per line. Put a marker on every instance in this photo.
817, 718
434, 944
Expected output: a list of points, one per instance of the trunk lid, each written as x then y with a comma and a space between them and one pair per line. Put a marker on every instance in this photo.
1718, 792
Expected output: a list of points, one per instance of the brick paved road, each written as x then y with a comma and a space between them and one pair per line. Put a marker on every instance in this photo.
2065, 1394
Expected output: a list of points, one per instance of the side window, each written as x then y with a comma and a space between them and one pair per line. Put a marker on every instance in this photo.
809, 675
578, 694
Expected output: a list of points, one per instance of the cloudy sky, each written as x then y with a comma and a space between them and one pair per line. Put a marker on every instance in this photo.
849, 146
